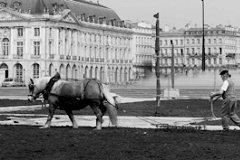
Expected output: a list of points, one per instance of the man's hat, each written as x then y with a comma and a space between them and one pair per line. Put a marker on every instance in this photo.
224, 72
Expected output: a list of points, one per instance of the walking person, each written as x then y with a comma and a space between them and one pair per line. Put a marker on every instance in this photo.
227, 91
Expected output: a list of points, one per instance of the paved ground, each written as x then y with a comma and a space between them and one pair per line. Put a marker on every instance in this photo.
124, 121
137, 122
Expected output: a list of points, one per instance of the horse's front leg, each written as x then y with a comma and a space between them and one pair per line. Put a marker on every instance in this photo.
51, 110
72, 118
99, 116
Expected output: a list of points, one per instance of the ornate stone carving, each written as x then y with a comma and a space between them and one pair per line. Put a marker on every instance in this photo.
3, 4
68, 18
4, 16
16, 5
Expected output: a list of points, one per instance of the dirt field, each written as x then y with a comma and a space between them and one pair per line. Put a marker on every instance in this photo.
31, 143
63, 143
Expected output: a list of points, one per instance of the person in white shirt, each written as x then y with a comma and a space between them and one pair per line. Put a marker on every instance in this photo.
227, 91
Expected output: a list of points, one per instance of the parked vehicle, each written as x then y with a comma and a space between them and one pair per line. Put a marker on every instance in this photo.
11, 82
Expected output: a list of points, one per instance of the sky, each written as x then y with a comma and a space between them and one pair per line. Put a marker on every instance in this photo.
177, 13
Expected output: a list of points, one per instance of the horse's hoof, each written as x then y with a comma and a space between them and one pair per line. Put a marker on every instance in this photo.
97, 129
44, 127
75, 127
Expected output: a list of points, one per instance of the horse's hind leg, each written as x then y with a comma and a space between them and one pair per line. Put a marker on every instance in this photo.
72, 118
50, 116
99, 116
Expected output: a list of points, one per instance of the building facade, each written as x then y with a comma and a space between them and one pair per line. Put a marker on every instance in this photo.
143, 49
222, 45
167, 48
76, 38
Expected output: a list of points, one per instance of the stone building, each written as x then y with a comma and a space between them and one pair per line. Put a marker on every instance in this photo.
222, 48
76, 38
143, 49
166, 49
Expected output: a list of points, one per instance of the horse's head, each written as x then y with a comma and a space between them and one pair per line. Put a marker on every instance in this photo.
36, 88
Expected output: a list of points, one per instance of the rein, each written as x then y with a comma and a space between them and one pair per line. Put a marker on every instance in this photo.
212, 101
143, 118
32, 89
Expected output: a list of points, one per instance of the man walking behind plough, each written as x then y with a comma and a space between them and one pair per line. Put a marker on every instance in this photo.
227, 92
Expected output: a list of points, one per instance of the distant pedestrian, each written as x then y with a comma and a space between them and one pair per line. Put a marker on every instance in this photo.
227, 92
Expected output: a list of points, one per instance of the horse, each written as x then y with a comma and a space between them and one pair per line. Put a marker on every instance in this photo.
69, 96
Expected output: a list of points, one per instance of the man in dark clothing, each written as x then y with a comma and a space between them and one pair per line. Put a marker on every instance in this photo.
48, 88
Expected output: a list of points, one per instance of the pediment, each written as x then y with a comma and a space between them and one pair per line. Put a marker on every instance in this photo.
67, 16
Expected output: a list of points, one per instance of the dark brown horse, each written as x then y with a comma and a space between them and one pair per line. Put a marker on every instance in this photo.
69, 96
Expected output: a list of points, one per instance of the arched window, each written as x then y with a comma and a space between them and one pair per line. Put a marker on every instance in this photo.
35, 70
5, 46
19, 72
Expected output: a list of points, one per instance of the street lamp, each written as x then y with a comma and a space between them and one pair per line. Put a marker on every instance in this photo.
157, 62
203, 39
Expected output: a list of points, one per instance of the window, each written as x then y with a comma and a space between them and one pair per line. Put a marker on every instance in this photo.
198, 41
20, 32
198, 50
176, 42
166, 43
50, 47
19, 48
209, 50
181, 42
5, 46
220, 40
220, 60
50, 32
36, 71
209, 61
209, 41
166, 52
36, 46
19, 72
193, 41
36, 31
181, 52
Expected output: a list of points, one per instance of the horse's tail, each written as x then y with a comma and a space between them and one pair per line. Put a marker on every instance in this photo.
112, 98
112, 113
111, 105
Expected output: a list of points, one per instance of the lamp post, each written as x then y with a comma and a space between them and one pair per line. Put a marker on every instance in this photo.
172, 65
203, 39
157, 62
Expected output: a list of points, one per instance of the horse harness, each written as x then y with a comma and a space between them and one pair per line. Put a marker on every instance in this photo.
46, 91
83, 90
